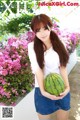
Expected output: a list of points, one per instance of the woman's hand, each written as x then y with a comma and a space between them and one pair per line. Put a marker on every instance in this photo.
65, 92
53, 97
50, 96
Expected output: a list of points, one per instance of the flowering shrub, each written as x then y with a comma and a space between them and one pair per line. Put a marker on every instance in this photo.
29, 36
16, 78
56, 29
71, 40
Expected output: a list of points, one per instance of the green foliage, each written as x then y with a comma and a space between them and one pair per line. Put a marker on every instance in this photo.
15, 25
78, 50
18, 85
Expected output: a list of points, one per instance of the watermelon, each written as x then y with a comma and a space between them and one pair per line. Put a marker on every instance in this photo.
54, 84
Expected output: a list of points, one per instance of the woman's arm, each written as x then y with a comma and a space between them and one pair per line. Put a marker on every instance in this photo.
63, 72
40, 77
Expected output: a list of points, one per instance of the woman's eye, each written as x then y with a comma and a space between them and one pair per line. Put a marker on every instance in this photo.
37, 30
46, 28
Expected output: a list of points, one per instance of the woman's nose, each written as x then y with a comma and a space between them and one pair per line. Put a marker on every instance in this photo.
42, 31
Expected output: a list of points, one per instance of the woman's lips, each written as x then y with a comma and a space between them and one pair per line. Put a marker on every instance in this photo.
43, 37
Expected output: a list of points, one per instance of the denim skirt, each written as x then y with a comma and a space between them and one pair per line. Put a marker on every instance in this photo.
47, 106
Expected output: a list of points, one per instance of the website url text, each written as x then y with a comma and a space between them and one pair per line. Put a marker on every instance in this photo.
58, 3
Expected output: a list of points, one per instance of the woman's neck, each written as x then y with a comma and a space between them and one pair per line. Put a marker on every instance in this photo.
48, 44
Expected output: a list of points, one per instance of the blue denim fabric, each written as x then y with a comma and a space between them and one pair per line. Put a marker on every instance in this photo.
47, 106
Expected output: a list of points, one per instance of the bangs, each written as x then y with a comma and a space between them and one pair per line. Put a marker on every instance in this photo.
38, 24
40, 21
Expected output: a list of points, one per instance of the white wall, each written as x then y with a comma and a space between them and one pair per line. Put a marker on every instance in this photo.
25, 109
72, 61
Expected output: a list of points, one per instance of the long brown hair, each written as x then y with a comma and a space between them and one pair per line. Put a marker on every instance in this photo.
56, 42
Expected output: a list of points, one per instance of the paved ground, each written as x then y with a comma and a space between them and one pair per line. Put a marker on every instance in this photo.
74, 79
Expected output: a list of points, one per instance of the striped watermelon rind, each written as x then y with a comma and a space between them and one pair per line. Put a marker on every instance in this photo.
54, 84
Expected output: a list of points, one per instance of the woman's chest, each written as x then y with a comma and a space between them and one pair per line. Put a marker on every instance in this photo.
51, 58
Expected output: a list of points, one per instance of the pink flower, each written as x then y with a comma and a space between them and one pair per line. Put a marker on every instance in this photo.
16, 43
2, 92
11, 72
30, 35
24, 91
4, 72
16, 64
13, 90
3, 82
3, 104
13, 104
1, 58
8, 94
16, 93
11, 40
24, 43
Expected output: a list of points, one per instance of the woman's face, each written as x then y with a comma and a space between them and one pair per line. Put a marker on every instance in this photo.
43, 33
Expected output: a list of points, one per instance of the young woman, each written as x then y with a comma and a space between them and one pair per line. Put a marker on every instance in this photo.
47, 54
